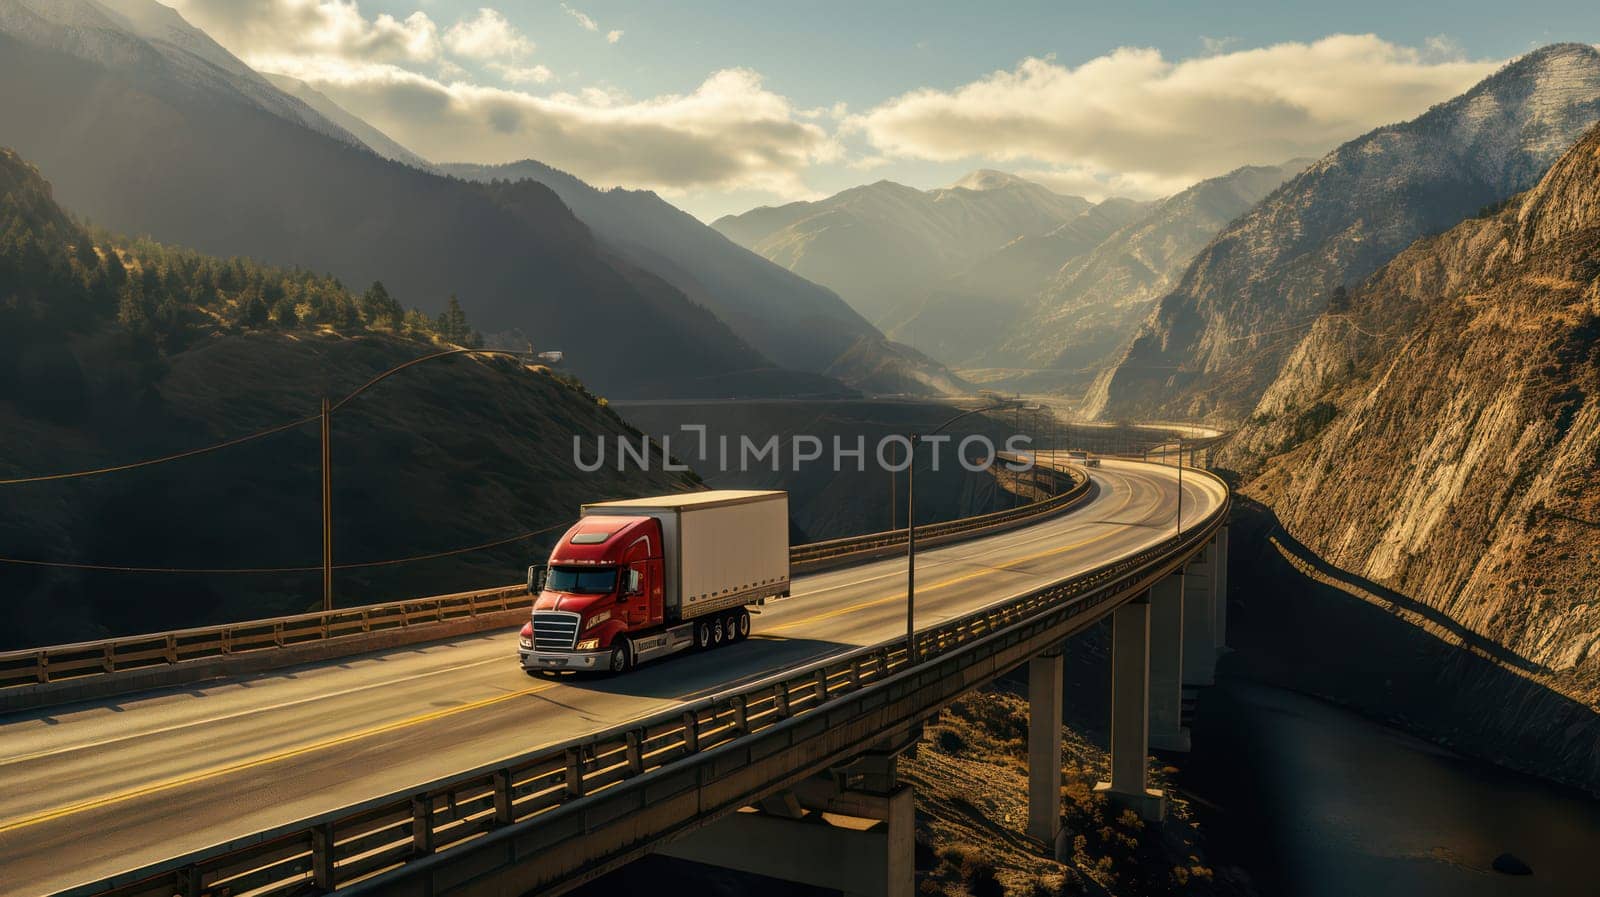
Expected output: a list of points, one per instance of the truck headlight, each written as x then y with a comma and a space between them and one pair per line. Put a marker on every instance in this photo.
525, 637
588, 644
525, 643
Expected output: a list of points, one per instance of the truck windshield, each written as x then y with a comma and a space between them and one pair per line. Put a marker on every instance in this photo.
582, 580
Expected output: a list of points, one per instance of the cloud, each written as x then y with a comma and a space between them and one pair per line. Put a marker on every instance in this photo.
516, 74
728, 133
1133, 117
583, 19
487, 36
614, 35
328, 27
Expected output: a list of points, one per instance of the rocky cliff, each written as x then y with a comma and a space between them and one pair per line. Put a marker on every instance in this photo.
1437, 434
1217, 341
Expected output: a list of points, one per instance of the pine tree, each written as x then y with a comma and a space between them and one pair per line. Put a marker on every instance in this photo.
284, 315
380, 308
452, 324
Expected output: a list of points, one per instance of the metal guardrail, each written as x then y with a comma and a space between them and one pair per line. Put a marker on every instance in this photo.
623, 769
56, 663
38, 665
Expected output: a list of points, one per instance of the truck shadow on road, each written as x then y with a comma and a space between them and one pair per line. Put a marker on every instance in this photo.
698, 674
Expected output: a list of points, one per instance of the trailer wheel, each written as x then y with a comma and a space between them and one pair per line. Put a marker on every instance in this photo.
744, 623
702, 635
716, 633
621, 656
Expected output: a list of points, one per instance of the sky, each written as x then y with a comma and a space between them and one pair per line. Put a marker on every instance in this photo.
723, 106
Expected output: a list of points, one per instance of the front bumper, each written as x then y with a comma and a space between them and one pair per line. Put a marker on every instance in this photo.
564, 660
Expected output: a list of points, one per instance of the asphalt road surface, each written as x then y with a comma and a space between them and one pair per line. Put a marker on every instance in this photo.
91, 790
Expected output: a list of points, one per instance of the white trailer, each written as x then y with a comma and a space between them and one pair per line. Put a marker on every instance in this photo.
724, 548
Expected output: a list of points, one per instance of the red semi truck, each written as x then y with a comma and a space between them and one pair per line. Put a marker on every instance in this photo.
643, 578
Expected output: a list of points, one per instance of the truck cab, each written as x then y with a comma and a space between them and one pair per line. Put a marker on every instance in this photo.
604, 579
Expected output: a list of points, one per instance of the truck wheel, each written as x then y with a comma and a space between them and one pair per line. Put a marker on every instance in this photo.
730, 628
716, 633
744, 623
702, 635
621, 657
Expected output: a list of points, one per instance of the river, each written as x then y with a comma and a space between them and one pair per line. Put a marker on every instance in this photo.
1317, 801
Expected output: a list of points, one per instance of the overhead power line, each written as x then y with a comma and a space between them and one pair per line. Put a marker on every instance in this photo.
78, 474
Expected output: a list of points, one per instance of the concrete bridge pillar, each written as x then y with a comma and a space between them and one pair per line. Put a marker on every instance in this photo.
1200, 618
858, 842
1046, 684
1130, 713
1220, 596
1167, 731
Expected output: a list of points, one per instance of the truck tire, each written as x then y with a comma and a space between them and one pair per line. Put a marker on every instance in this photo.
702, 636
621, 657
730, 628
744, 623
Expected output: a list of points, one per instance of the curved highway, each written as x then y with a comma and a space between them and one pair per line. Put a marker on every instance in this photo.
96, 789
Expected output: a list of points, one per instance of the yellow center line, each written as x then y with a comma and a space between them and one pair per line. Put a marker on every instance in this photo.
240, 766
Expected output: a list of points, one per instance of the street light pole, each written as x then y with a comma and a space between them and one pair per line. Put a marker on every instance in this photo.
911, 549
327, 512
327, 455
1180, 486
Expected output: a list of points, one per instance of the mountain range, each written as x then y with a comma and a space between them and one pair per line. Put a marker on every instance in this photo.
146, 125
1215, 342
1088, 306
886, 247
789, 319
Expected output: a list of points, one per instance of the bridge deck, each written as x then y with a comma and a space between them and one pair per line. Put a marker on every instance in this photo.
98, 789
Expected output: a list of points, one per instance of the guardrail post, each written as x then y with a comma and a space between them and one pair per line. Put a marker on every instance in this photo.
635, 753
366, 621
422, 823
41, 669
109, 661
187, 881
574, 772
691, 731
741, 714
502, 797
820, 687
780, 700
172, 648
225, 642
322, 856
277, 634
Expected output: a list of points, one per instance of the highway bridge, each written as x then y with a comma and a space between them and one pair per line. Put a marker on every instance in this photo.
440, 768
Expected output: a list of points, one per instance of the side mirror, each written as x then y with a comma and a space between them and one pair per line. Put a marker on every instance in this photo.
633, 582
536, 579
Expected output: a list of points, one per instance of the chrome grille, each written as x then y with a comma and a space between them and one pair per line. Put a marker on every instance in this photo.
554, 630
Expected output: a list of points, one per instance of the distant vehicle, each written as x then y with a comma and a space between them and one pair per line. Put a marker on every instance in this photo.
643, 578
551, 357
1082, 459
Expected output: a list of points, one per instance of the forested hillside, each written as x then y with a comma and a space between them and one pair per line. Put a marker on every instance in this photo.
115, 351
